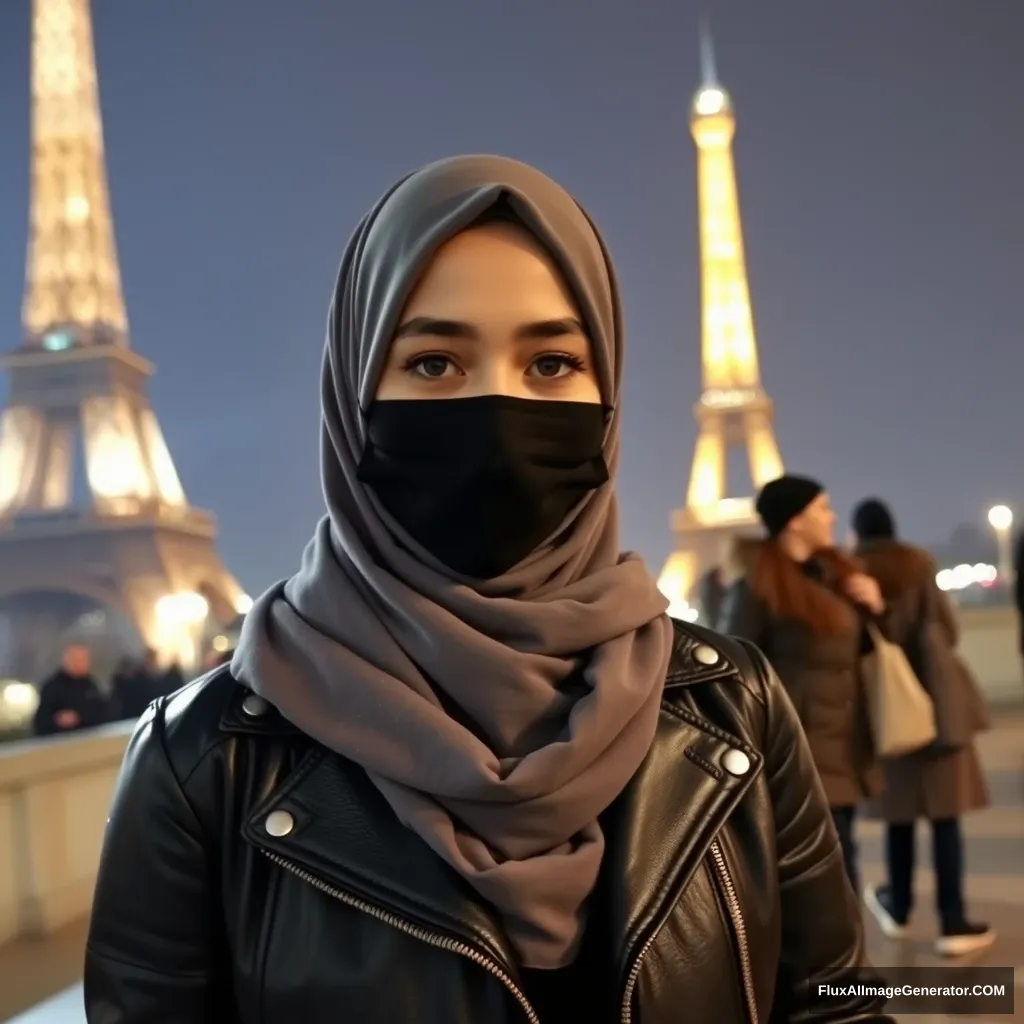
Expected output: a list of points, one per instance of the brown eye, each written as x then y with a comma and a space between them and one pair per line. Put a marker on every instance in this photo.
431, 366
556, 365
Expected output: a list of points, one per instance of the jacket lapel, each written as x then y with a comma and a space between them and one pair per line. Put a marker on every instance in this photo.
661, 827
343, 833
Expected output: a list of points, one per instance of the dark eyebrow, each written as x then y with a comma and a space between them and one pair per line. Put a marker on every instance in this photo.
429, 326
551, 329
433, 327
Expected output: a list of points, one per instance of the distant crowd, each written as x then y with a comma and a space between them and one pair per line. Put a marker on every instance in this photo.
72, 698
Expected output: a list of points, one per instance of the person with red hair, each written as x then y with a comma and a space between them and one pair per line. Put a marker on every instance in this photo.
805, 604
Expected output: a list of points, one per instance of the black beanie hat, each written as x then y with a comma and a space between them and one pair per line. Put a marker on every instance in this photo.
782, 500
872, 520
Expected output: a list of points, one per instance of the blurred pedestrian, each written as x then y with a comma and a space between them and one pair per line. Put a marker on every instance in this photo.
70, 698
136, 684
805, 605
173, 678
945, 780
710, 592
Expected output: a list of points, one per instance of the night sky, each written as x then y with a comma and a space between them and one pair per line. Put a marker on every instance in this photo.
880, 155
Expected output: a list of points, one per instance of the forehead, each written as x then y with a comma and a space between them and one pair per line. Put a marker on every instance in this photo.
491, 268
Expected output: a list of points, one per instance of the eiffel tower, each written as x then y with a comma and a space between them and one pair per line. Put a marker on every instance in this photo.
77, 406
733, 410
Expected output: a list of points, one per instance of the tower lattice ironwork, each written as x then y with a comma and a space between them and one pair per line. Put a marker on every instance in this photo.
733, 409
77, 393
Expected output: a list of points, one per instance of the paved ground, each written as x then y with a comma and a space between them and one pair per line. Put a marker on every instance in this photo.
995, 853
995, 860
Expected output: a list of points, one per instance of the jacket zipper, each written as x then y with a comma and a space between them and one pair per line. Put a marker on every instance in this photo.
739, 928
424, 935
725, 883
462, 949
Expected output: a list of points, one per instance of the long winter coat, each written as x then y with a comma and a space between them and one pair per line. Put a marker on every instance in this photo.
822, 675
945, 780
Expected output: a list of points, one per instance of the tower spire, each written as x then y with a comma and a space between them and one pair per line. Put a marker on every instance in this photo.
72, 280
708, 70
733, 410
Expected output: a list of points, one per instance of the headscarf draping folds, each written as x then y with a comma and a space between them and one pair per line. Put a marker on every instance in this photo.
498, 719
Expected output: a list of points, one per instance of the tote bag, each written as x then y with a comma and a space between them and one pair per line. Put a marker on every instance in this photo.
901, 712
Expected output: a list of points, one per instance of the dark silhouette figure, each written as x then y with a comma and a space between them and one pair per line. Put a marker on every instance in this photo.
70, 699
710, 593
136, 684
173, 678
945, 780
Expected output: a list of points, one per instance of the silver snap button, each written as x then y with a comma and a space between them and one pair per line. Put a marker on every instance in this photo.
735, 762
705, 655
254, 706
279, 823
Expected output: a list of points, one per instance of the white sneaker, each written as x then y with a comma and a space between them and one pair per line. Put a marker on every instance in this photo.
965, 939
876, 898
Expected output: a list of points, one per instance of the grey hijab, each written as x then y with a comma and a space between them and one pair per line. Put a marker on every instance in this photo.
556, 669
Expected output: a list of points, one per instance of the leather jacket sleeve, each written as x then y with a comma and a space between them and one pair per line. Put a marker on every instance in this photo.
822, 933
150, 955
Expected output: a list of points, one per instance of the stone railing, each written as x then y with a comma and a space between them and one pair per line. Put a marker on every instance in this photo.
54, 799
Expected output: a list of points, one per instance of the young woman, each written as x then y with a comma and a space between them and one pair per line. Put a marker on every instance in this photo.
463, 768
944, 781
805, 605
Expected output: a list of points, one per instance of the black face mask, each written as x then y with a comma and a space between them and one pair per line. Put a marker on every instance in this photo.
482, 482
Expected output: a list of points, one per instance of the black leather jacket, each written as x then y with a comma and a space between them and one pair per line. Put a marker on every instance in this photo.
249, 875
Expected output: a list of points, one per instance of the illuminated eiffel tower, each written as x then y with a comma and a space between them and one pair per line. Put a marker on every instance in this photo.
734, 409
77, 396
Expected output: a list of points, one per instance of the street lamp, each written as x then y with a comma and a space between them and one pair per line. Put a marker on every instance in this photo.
1000, 518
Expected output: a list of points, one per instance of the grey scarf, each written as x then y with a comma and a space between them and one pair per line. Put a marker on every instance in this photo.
557, 668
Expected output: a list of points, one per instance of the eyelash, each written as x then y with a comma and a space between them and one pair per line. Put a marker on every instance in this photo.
575, 363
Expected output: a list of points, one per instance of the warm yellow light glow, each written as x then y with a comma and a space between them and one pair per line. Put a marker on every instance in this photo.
728, 344
962, 576
72, 274
21, 438
185, 608
18, 703
243, 604
164, 476
113, 450
77, 211
765, 458
20, 695
716, 398
675, 583
1000, 517
220, 644
179, 619
709, 101
707, 475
